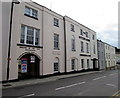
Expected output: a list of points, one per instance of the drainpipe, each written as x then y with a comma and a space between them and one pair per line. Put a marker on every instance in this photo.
10, 34
65, 45
42, 38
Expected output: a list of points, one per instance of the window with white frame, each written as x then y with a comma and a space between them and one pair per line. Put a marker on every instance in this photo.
29, 35
56, 64
73, 43
82, 63
86, 34
93, 36
88, 63
94, 51
56, 22
72, 28
73, 64
81, 32
56, 41
31, 12
82, 46
87, 47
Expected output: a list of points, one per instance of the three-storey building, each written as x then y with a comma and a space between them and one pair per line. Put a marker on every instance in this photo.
44, 42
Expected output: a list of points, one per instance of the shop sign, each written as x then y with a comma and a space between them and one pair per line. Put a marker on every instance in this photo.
24, 65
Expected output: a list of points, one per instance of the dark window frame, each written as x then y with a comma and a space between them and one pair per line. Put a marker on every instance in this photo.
56, 22
31, 14
56, 41
72, 28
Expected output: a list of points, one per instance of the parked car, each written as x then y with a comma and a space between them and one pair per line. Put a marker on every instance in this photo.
118, 64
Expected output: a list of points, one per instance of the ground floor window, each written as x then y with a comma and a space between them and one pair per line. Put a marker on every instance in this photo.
82, 63
56, 64
56, 67
73, 64
88, 63
109, 63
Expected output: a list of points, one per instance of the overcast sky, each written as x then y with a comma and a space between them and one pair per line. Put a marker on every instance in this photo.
99, 15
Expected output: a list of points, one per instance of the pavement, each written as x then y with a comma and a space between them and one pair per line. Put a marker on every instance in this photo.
42, 80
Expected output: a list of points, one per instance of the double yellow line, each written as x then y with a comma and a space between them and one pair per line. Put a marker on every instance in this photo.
116, 94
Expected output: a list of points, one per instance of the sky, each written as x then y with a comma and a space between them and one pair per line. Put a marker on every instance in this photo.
98, 15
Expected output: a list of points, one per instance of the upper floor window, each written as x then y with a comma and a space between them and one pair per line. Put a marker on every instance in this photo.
56, 41
86, 34
73, 43
87, 47
56, 22
31, 12
93, 37
72, 28
29, 35
94, 51
82, 46
81, 32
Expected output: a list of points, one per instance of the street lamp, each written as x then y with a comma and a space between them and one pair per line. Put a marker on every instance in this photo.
9, 43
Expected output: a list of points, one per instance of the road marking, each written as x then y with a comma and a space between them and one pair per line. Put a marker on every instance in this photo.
115, 94
111, 85
99, 78
112, 74
69, 86
26, 96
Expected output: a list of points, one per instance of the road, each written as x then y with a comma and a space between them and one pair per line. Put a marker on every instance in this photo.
97, 84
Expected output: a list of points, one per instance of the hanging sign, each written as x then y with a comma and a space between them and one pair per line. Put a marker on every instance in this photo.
32, 59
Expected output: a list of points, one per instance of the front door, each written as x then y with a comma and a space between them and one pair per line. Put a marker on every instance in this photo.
95, 67
29, 66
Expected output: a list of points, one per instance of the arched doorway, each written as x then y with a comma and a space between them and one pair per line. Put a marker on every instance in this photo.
28, 66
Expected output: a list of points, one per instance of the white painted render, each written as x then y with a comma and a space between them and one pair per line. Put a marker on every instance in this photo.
110, 56
0, 42
46, 52
49, 53
5, 29
76, 54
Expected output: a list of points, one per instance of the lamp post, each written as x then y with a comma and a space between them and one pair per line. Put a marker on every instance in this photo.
9, 43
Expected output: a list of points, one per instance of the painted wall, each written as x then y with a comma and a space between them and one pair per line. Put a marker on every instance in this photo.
0, 43
5, 32
16, 51
72, 54
49, 53
77, 54
110, 56
92, 43
101, 54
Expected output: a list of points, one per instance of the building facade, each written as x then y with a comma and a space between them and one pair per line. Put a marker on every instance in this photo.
81, 51
44, 42
110, 57
101, 54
